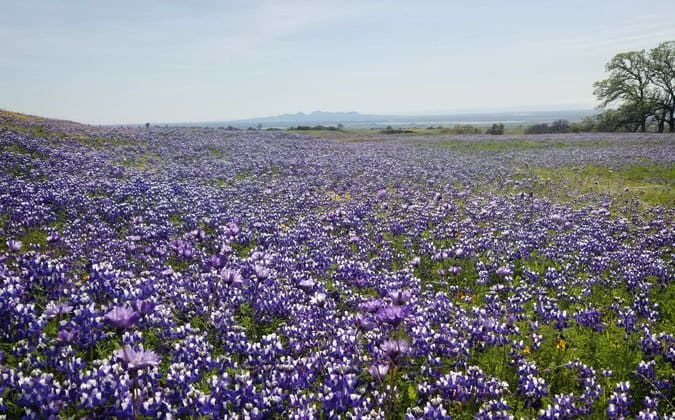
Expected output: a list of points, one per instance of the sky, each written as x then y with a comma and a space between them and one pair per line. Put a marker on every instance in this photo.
178, 61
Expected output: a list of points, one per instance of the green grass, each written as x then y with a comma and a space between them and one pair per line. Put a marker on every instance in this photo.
35, 236
33, 131
142, 161
106, 142
651, 184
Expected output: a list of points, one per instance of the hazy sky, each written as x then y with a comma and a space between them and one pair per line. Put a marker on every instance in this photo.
157, 61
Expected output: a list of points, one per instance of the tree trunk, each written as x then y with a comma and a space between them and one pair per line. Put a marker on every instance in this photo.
660, 121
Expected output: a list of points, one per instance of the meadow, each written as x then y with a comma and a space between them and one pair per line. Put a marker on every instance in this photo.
208, 273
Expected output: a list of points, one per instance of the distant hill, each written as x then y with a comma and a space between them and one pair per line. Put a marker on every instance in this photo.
316, 117
356, 119
14, 120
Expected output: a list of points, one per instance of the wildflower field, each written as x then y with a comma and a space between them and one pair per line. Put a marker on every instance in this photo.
210, 273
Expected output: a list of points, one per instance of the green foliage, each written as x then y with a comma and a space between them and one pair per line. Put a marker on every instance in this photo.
255, 328
101, 350
460, 129
38, 131
51, 328
35, 236
176, 219
339, 127
243, 249
650, 184
558, 126
643, 86
390, 130
496, 129
496, 145
106, 142
178, 264
143, 161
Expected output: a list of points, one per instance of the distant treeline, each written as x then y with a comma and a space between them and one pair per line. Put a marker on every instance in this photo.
390, 130
462, 129
339, 127
558, 126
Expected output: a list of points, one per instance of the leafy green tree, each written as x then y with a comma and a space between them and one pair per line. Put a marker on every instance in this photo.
662, 75
560, 126
496, 129
629, 85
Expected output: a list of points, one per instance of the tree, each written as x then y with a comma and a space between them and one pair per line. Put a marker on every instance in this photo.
641, 87
629, 85
662, 75
496, 129
560, 126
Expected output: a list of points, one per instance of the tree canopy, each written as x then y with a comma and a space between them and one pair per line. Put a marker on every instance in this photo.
640, 90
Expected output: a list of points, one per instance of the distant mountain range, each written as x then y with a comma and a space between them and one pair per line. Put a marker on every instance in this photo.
358, 120
318, 117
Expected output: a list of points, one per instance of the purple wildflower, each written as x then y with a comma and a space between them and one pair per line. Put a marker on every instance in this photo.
379, 372
394, 349
371, 305
231, 277
144, 307
121, 317
14, 245
66, 335
53, 310
137, 359
392, 315
400, 297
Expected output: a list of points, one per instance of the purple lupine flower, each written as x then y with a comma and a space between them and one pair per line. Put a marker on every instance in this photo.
620, 401
216, 261
198, 234
455, 269
379, 371
651, 345
561, 319
504, 271
231, 277
307, 284
261, 272
144, 306
533, 388
66, 335
400, 297
363, 323
646, 369
14, 245
53, 236
648, 414
591, 318
392, 315
371, 305
394, 349
53, 309
137, 359
319, 299
232, 229
495, 409
121, 317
